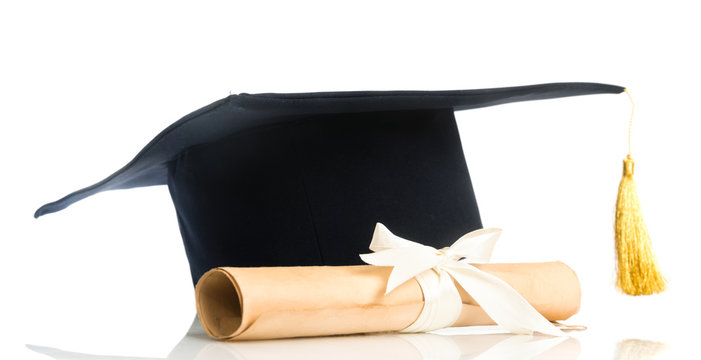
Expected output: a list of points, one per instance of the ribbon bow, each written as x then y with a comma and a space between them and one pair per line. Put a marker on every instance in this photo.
434, 269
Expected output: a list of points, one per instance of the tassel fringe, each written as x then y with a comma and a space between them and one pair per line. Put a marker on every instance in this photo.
638, 272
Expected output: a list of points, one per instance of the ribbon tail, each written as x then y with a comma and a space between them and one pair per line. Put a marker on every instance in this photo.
501, 302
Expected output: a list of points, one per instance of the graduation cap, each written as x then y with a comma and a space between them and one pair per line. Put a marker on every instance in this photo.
305, 177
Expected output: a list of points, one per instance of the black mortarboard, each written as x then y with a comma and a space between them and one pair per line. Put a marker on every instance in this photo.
309, 175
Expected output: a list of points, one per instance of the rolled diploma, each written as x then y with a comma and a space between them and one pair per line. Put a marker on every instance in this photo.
282, 302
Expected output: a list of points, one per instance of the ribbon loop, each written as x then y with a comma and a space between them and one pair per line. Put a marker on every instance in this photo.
435, 270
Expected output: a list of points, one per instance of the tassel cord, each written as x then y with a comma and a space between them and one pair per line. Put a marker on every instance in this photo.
638, 272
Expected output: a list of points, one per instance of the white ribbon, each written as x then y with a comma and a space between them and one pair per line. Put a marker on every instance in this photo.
434, 268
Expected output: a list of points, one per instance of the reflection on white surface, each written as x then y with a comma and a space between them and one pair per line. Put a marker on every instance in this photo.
639, 349
197, 345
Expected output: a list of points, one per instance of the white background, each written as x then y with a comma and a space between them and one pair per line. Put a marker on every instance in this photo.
84, 85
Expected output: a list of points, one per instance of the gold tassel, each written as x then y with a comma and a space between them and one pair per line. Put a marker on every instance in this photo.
638, 272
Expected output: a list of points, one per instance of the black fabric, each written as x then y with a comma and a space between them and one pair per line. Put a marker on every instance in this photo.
309, 192
302, 179
238, 113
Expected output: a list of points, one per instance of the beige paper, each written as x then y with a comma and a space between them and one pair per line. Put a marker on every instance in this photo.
282, 302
